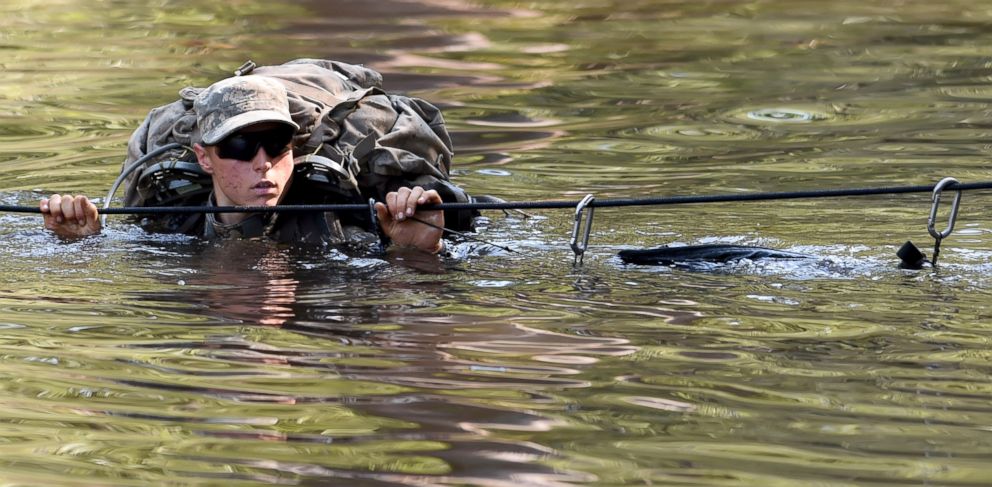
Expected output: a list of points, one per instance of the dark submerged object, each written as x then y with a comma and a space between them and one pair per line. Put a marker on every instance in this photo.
911, 257
711, 253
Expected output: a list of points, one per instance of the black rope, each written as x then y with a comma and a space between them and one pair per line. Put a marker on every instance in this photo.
532, 205
463, 235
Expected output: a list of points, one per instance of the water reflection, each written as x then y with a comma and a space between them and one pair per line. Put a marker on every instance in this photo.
405, 365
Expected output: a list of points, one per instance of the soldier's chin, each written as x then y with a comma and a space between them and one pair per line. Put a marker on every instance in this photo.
268, 200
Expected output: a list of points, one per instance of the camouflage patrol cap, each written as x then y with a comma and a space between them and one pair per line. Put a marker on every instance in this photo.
234, 103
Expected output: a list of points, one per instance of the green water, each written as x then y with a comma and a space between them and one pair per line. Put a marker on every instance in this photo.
137, 359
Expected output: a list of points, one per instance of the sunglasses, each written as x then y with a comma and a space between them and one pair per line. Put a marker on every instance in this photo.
244, 145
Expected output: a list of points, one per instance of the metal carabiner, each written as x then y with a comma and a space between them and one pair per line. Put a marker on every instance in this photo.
375, 228
580, 249
936, 203
940, 236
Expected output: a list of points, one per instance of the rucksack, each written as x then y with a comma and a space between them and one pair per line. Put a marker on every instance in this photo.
355, 142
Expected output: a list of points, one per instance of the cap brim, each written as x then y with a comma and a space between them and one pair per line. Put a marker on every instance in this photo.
243, 120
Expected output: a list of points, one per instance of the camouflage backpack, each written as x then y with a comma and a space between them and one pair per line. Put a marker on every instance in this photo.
355, 142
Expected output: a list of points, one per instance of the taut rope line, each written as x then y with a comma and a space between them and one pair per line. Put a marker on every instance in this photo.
910, 255
532, 205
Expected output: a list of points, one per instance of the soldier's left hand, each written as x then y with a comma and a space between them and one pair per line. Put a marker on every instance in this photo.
394, 218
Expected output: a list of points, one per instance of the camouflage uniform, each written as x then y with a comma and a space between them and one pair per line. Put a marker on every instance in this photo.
374, 143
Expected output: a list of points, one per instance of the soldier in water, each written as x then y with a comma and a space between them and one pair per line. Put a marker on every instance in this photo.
245, 145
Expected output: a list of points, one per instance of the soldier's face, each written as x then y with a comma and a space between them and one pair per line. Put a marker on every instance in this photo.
260, 179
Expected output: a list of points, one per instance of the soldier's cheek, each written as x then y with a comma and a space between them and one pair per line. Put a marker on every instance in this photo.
237, 183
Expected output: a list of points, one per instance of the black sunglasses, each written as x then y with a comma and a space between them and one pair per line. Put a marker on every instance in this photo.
244, 145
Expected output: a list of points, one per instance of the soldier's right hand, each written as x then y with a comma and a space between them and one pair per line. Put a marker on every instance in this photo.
70, 216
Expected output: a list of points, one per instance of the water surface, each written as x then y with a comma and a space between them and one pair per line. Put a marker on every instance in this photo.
140, 359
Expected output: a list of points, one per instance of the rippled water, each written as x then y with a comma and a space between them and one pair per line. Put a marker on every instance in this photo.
138, 359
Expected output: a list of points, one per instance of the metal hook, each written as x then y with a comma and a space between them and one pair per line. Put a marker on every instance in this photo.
373, 218
374, 226
936, 202
580, 249
939, 236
